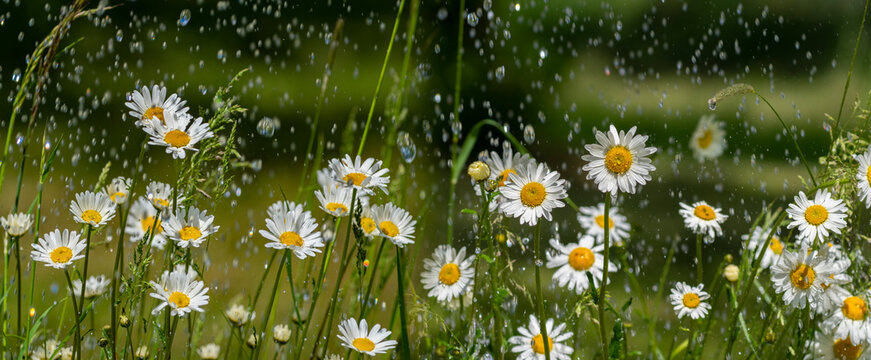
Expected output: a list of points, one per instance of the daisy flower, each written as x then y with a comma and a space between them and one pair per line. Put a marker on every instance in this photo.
17, 224
448, 274
864, 176
141, 220
830, 347
141, 353
118, 190
325, 178
209, 351
160, 194
592, 219
529, 345
295, 230
773, 252
500, 169
58, 249
816, 218
191, 227
280, 207
708, 141
92, 209
178, 133
180, 291
851, 320
147, 105
703, 219
359, 337
238, 315
689, 300
801, 276
95, 286
575, 260
281, 334
532, 193
394, 223
367, 223
336, 201
363, 175
619, 162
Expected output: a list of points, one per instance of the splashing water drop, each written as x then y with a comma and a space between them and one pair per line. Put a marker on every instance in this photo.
500, 73
119, 36
266, 127
185, 17
712, 104
472, 19
528, 134
406, 147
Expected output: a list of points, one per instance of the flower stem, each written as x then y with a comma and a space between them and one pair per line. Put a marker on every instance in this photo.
542, 320
85, 269
171, 336
792, 137
604, 286
699, 270
77, 340
271, 302
17, 240
365, 300
404, 349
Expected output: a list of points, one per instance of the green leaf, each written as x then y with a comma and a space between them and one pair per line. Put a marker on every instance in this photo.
615, 348
626, 305
592, 288
679, 349
469, 211
486, 258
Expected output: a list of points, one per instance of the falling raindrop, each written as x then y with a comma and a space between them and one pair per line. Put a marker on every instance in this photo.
500, 73
185, 17
528, 134
472, 19
406, 147
442, 14
266, 127
119, 35
16, 75
712, 104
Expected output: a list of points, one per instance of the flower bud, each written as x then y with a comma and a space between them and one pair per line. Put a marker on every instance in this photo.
252, 341
103, 342
770, 336
731, 273
479, 171
728, 258
125, 321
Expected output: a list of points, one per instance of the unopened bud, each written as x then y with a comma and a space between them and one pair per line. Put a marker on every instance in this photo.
479, 171
770, 336
731, 272
728, 258
252, 341
103, 342
125, 321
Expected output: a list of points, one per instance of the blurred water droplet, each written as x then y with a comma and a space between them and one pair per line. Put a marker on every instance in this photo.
406, 147
528, 134
266, 127
119, 36
500, 73
472, 19
712, 104
442, 14
185, 17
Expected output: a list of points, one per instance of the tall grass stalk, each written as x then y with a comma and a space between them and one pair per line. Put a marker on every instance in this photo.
266, 316
404, 348
76, 341
603, 332
456, 117
850, 72
539, 298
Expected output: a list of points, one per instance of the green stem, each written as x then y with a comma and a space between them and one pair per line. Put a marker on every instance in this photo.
604, 285
542, 320
85, 268
289, 267
17, 240
77, 341
365, 301
271, 302
404, 348
791, 136
850, 72
168, 354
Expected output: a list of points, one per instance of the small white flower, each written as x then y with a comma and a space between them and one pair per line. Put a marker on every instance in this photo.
532, 193
802, 276
17, 224
325, 178
592, 219
365, 176
180, 291
772, 253
191, 228
141, 353
178, 133
295, 230
359, 337
160, 194
141, 221
153, 104
575, 260
281, 334
367, 223
118, 190
703, 219
209, 351
850, 320
95, 286
336, 201
239, 315
394, 223
863, 175
620, 161
529, 345
93, 209
816, 218
708, 141
829, 347
448, 274
690, 300
58, 249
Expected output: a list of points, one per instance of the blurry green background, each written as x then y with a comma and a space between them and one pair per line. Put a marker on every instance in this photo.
563, 68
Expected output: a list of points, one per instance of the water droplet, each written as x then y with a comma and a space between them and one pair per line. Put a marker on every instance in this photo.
266, 127
472, 19
712, 104
406, 147
500, 73
185, 17
442, 14
16, 75
528, 134
119, 35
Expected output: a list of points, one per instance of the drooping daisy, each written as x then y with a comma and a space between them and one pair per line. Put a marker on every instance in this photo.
532, 193
191, 228
336, 201
178, 133
367, 223
448, 274
92, 209
141, 220
863, 175
773, 252
359, 337
118, 190
94, 286
529, 345
180, 291
365, 176
851, 320
592, 219
619, 162
801, 276
281, 334
690, 300
708, 141
816, 218
209, 351
829, 347
295, 230
141, 353
575, 260
500, 168
160, 194
238, 314
58, 249
153, 104
394, 223
703, 219
17, 224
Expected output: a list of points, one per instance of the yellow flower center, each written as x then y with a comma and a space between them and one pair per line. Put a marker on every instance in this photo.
618, 159
581, 258
845, 350
368, 225
92, 216
776, 246
179, 299
116, 195
188, 233
61, 255
705, 212
691, 300
503, 176
449, 274
363, 344
148, 223
601, 221
290, 238
532, 194
337, 208
154, 112
868, 174
177, 138
816, 214
388, 228
803, 277
538, 344
356, 178
706, 139
854, 308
